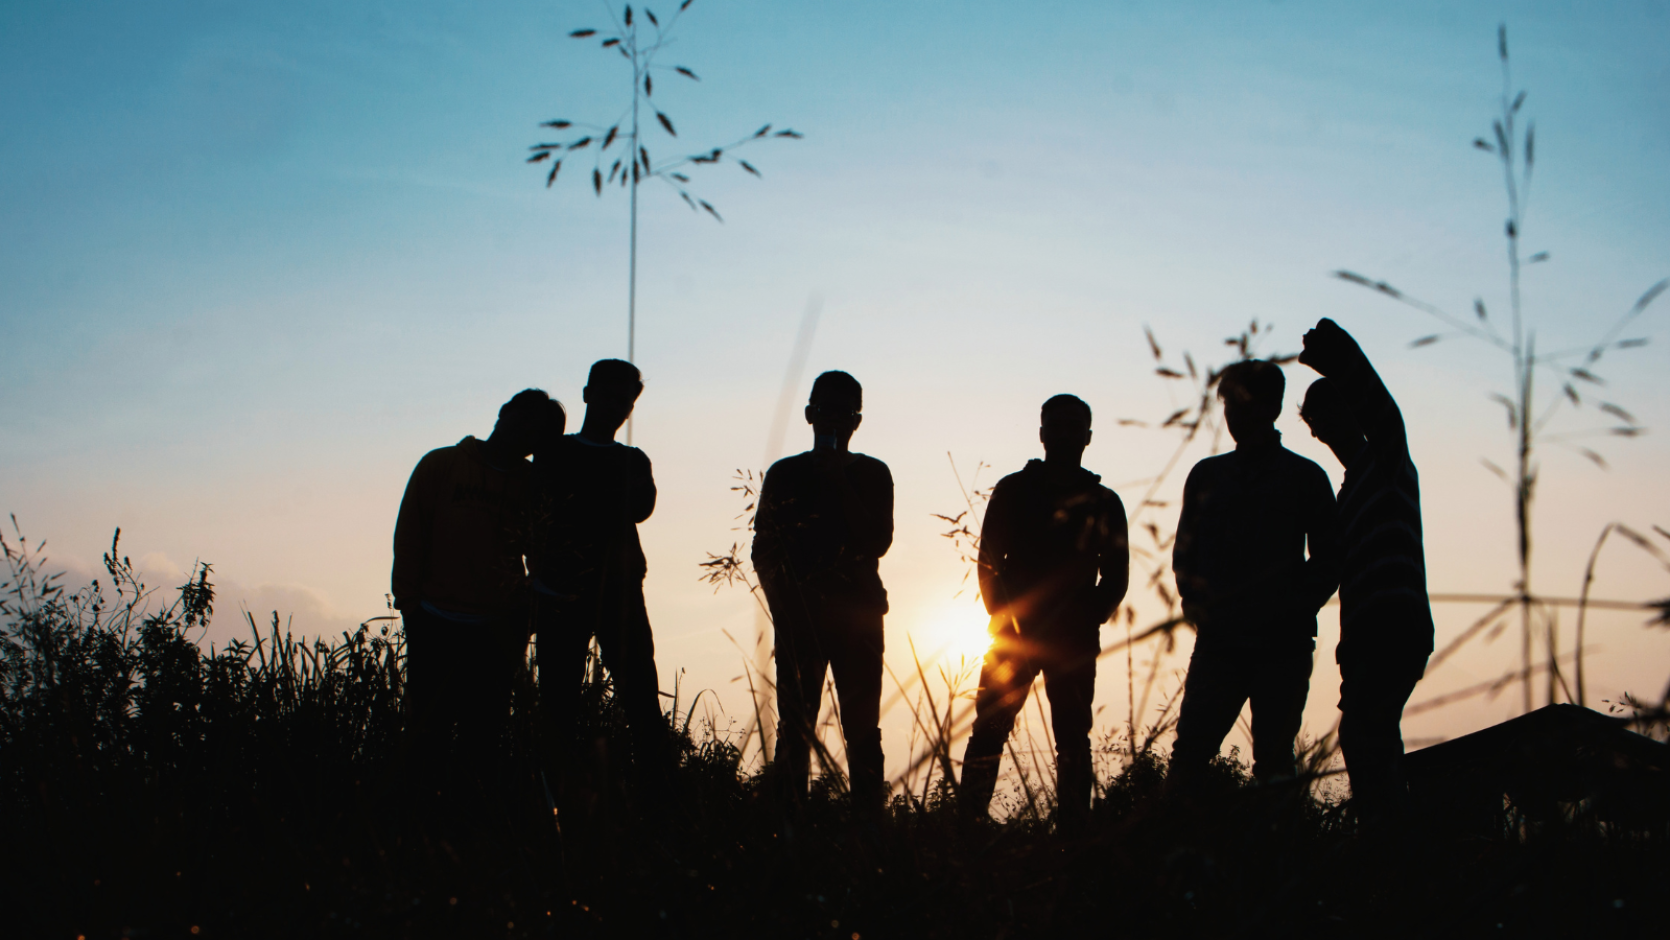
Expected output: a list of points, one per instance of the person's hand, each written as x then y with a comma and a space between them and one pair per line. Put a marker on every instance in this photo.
1327, 347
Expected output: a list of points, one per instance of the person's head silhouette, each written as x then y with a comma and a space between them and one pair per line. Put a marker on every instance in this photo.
520, 421
1252, 392
552, 423
1330, 419
612, 389
1064, 430
834, 410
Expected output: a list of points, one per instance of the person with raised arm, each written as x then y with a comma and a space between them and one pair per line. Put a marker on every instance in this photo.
1247, 584
1054, 565
824, 521
1385, 615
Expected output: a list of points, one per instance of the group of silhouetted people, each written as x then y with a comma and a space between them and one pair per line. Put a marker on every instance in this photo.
1263, 543
492, 549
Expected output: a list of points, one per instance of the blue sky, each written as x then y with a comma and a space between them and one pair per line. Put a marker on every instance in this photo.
255, 260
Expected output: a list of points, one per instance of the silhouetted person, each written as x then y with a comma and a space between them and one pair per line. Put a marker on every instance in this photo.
588, 567
1246, 583
550, 546
1385, 616
1054, 565
825, 519
461, 590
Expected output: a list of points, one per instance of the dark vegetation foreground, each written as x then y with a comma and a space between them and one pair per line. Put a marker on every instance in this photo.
150, 788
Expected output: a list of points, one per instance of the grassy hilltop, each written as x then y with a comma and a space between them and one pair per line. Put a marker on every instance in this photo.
151, 787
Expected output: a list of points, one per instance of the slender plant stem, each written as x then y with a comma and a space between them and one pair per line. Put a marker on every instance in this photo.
1583, 609
1524, 366
1527, 480
1508, 147
632, 250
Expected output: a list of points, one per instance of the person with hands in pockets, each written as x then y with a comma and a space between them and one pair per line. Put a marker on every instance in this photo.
825, 519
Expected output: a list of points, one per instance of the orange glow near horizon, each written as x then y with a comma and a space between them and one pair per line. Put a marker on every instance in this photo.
953, 635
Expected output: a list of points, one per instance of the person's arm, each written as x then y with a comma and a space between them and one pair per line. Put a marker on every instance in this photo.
1320, 576
1114, 561
1185, 552
413, 528
768, 552
1332, 351
640, 496
995, 538
872, 529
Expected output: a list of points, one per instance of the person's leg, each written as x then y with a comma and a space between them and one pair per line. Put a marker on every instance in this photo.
564, 635
856, 664
563, 639
801, 664
428, 688
489, 660
1280, 685
629, 652
424, 658
1070, 682
497, 650
1373, 691
457, 680
1005, 678
1213, 692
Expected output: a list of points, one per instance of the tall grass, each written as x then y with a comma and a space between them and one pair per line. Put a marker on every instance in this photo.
154, 786
1576, 383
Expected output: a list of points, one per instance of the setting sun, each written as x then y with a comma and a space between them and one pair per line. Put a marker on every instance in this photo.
955, 631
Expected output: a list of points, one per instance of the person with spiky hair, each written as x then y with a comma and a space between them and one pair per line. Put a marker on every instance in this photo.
1247, 583
1054, 565
824, 521
588, 568
461, 589
1386, 628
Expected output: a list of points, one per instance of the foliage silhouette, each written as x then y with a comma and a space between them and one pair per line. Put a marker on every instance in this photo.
151, 786
639, 46
1527, 414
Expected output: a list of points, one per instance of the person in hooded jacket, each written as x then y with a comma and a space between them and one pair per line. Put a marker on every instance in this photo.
1054, 565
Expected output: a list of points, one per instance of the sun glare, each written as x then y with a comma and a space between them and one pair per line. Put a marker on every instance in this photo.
957, 630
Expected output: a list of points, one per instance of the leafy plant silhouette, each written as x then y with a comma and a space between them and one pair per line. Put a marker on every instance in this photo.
638, 41
1527, 414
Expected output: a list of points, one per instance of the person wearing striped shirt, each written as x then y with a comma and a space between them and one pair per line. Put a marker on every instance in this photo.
1385, 615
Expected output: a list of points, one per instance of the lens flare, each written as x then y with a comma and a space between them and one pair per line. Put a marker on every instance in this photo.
955, 631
